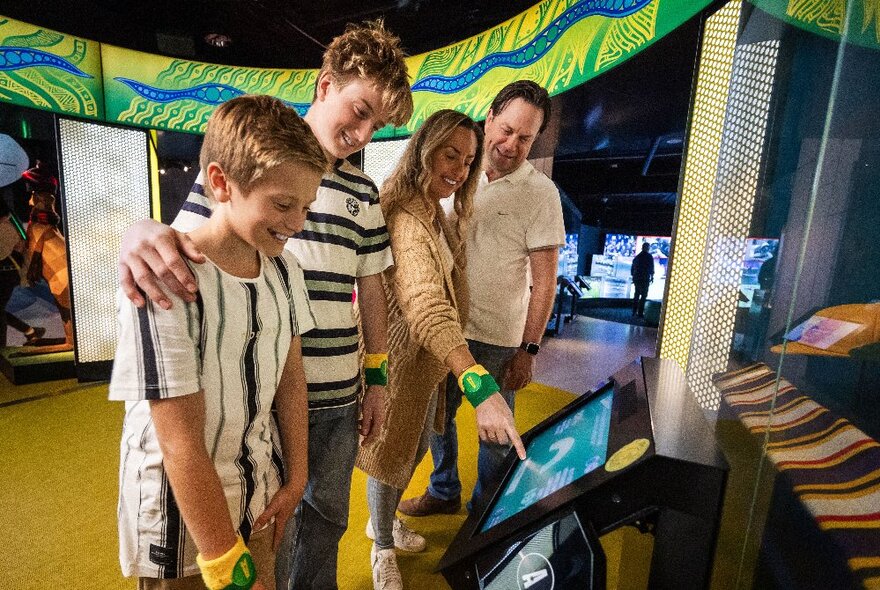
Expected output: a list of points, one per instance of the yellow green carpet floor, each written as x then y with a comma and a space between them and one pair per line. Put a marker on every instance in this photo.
59, 462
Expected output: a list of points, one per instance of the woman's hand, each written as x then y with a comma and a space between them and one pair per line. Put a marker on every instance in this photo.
372, 414
495, 424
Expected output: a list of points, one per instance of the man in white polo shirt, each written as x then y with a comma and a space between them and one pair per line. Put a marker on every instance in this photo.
513, 243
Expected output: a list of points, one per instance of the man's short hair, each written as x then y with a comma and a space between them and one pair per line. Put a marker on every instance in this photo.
371, 53
530, 92
251, 134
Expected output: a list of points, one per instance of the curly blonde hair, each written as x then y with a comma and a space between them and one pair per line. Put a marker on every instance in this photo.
251, 134
412, 176
371, 53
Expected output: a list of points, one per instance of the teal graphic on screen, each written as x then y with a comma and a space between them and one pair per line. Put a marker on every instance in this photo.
559, 455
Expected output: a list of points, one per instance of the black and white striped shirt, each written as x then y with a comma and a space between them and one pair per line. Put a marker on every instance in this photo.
232, 344
344, 238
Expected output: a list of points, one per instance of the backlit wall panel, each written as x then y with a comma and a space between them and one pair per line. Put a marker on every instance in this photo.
737, 182
698, 185
106, 188
380, 158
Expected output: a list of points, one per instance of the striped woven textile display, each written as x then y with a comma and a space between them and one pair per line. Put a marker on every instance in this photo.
833, 467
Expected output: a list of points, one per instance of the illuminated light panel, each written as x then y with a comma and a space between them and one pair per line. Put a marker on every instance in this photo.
733, 203
106, 189
701, 166
380, 158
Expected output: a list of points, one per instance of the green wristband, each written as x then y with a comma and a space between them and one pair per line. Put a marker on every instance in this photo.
376, 369
376, 376
233, 570
488, 387
243, 574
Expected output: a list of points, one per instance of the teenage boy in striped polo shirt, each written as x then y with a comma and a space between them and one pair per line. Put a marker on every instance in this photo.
201, 454
362, 86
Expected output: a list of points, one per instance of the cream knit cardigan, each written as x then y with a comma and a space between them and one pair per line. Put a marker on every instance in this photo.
427, 307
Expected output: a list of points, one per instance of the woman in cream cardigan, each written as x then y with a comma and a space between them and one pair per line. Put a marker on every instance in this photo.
427, 306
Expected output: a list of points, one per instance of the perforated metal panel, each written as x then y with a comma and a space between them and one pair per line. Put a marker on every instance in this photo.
701, 167
106, 189
380, 158
739, 168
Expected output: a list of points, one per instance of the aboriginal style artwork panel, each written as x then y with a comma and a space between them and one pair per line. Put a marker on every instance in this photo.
50, 71
557, 43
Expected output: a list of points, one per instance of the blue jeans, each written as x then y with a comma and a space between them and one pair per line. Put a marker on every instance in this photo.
382, 499
309, 548
445, 483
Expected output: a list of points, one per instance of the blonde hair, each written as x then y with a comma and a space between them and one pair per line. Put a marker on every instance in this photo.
412, 176
371, 53
251, 134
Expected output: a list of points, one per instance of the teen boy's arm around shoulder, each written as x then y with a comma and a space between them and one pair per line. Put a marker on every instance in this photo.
291, 401
151, 262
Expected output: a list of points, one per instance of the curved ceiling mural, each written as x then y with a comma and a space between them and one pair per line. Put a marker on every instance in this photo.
557, 43
50, 71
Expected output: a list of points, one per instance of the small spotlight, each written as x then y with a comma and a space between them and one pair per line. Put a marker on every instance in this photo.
218, 40
161, 171
185, 168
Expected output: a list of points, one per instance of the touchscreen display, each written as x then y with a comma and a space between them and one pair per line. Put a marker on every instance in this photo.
560, 454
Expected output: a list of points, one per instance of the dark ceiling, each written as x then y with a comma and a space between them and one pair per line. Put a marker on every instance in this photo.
620, 144
620, 140
264, 33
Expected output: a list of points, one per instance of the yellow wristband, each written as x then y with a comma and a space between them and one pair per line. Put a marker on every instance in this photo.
375, 361
233, 570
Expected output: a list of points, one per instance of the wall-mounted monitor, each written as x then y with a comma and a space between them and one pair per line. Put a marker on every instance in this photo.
568, 257
620, 244
658, 246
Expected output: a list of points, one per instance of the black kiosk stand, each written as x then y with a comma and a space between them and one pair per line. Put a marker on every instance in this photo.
638, 451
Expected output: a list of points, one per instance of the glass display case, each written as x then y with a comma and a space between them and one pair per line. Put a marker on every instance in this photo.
773, 289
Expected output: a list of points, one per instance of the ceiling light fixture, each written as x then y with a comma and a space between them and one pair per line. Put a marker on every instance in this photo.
218, 40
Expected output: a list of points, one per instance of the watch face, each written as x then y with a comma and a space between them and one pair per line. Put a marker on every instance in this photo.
530, 347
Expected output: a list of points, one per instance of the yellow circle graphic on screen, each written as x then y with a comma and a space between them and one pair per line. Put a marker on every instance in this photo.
627, 454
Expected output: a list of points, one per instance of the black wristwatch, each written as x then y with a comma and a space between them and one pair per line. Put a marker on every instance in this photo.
530, 347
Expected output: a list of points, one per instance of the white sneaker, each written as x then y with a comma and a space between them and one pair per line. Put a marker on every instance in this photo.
386, 574
405, 538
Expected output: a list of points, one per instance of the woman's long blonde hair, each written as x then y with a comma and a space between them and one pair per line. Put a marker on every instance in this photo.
411, 177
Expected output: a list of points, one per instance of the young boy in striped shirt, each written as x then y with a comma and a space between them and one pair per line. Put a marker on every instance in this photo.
201, 473
363, 85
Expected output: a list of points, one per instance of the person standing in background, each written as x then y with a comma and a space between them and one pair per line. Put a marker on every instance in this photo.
642, 272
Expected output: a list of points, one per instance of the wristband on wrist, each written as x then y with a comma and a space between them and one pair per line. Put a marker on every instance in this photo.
234, 570
477, 384
376, 369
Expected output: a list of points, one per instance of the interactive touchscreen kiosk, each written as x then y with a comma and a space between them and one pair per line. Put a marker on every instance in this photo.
637, 450
565, 450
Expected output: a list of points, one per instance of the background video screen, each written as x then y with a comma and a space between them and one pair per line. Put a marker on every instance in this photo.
560, 454
568, 257
620, 244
